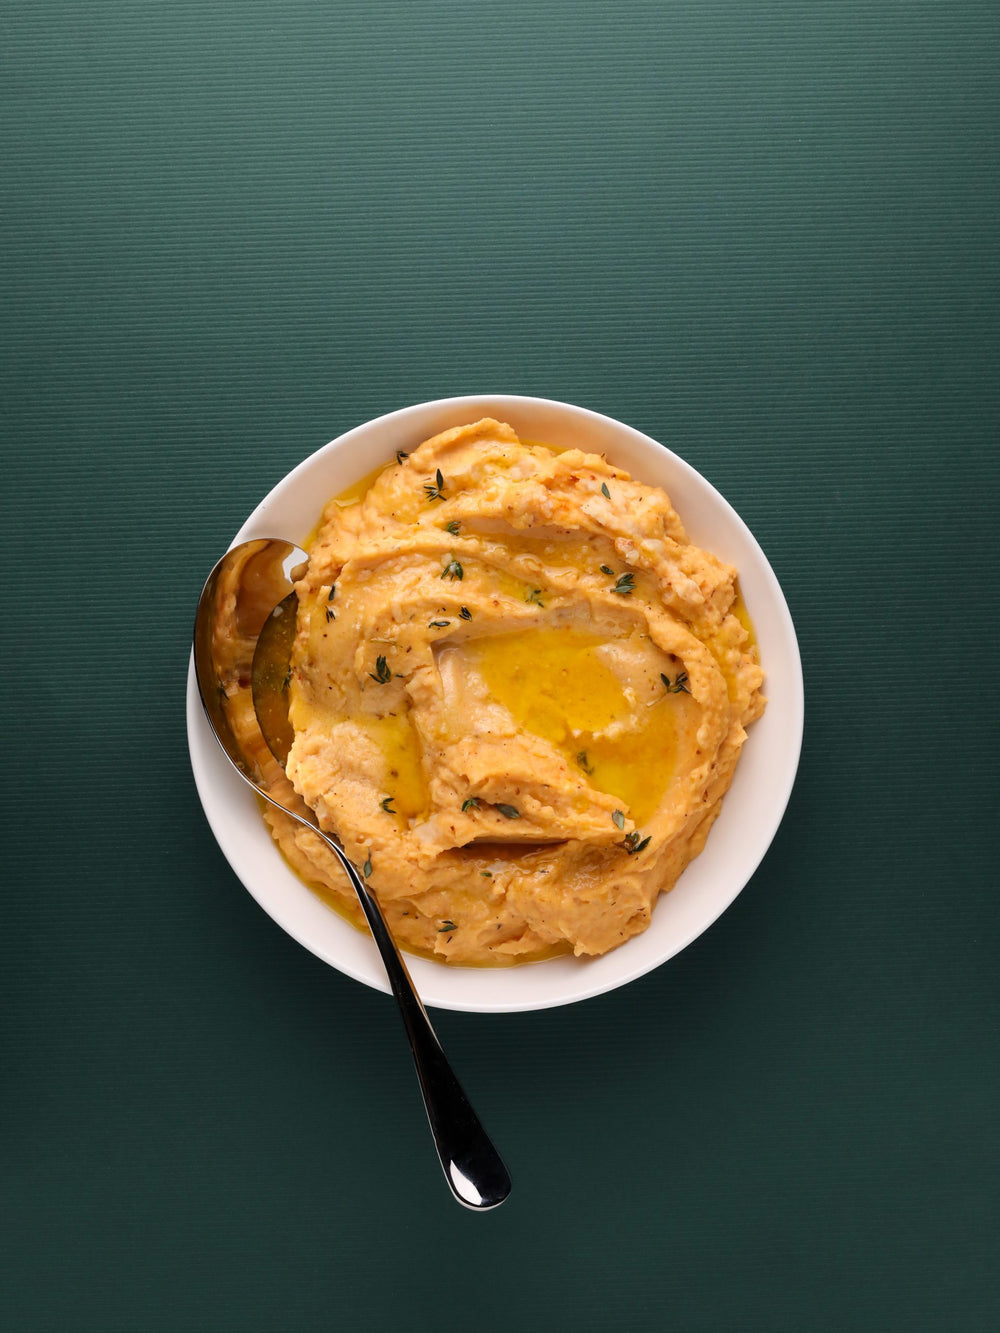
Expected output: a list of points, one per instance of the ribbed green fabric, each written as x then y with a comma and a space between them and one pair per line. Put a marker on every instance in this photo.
766, 234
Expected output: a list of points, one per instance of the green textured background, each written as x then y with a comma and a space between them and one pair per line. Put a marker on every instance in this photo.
766, 234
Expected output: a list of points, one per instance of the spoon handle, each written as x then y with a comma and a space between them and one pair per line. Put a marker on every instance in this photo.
472, 1166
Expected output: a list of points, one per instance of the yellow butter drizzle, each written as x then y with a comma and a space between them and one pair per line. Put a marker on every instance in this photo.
396, 738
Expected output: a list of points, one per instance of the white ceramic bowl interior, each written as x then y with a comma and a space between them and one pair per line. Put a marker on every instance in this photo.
752, 809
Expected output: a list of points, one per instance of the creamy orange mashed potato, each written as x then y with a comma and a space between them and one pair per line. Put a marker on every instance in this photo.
518, 695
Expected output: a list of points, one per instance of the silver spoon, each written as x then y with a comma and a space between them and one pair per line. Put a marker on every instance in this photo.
241, 594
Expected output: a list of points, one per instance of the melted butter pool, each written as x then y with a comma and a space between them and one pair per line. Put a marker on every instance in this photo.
396, 737
555, 684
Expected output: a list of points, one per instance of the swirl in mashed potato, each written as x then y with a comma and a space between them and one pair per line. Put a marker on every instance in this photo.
518, 695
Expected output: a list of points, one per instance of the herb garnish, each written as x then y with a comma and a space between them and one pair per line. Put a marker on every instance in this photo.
387, 805
439, 624
470, 803
453, 570
584, 762
486, 874
535, 597
453, 527
366, 869
604, 490
381, 675
632, 844
679, 686
332, 593
401, 457
625, 584
606, 569
330, 614
288, 678
618, 818
465, 613
435, 491
509, 811
446, 926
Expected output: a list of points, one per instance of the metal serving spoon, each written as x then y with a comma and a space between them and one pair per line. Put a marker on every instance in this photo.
241, 597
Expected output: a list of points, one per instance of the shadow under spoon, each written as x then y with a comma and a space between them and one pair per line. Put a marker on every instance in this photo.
247, 601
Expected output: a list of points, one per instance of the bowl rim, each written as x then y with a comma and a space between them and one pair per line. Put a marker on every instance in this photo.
221, 789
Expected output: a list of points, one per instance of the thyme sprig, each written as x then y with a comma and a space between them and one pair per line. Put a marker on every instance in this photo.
446, 927
382, 673
470, 803
435, 490
453, 570
677, 686
401, 456
632, 843
465, 613
625, 584
386, 805
509, 811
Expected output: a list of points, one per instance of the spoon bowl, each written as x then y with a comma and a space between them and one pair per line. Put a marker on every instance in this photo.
247, 604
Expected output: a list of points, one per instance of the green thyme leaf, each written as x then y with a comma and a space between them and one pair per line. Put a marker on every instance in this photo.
453, 527
453, 570
625, 584
678, 686
401, 457
604, 490
509, 811
470, 803
330, 614
381, 675
465, 613
606, 569
386, 805
619, 818
632, 844
332, 593
439, 624
584, 762
446, 926
486, 874
288, 679
535, 596
366, 869
435, 491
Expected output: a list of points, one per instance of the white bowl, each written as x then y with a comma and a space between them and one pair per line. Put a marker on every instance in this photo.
752, 808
